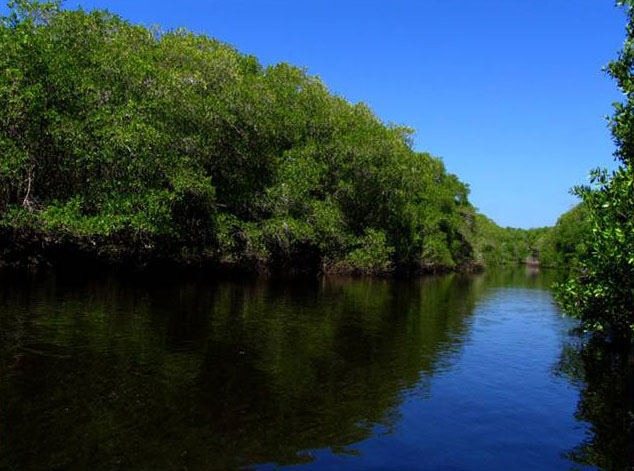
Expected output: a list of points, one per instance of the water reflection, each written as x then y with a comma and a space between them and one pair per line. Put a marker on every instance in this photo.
604, 373
115, 373
123, 376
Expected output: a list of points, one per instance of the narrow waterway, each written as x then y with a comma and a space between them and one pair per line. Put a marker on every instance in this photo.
459, 372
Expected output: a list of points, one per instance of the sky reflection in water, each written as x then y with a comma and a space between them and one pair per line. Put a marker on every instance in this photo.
453, 372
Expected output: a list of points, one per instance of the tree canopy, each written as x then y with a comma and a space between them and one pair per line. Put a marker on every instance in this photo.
134, 143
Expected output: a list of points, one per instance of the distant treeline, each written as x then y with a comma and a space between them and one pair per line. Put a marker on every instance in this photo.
131, 144
562, 246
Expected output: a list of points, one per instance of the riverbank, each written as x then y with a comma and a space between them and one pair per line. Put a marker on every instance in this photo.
26, 250
221, 161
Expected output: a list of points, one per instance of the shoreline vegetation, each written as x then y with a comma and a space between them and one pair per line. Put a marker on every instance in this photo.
136, 147
133, 146
38, 252
139, 151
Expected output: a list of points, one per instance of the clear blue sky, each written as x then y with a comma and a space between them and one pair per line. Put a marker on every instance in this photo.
509, 93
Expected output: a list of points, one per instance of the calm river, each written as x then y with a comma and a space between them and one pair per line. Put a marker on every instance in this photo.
459, 372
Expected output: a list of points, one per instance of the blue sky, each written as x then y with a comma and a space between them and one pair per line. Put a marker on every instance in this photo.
509, 93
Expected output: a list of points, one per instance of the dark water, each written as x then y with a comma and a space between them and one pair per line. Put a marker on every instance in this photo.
456, 372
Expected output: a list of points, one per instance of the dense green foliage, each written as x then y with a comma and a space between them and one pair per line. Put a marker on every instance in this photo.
562, 245
506, 245
134, 143
602, 296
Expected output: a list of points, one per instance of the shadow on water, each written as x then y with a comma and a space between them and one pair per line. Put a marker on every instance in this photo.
605, 375
116, 373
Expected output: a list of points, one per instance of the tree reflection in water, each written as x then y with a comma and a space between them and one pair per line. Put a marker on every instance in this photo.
109, 374
113, 373
604, 373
